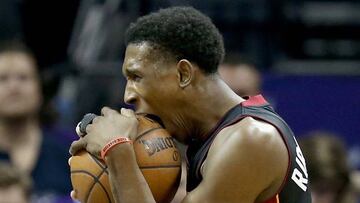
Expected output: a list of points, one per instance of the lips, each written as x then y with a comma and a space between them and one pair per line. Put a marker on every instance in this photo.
143, 112
152, 117
15, 99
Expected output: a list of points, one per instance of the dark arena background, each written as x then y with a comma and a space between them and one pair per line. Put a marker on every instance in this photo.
306, 52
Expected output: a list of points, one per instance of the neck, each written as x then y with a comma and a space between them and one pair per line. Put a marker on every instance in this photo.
216, 99
12, 130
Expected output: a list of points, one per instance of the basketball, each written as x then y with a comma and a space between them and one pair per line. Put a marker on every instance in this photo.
157, 157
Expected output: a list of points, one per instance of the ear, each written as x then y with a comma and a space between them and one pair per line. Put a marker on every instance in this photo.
185, 72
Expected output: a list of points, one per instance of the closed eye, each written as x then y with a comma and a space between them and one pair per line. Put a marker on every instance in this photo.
134, 77
132, 74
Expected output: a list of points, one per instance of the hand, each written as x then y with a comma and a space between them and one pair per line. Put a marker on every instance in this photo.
105, 128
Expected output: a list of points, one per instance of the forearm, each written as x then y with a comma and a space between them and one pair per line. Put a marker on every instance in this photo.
127, 182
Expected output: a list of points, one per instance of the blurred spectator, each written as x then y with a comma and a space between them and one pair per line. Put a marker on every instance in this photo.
96, 47
25, 142
15, 187
329, 171
241, 75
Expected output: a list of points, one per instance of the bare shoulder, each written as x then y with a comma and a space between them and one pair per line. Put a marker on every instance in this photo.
250, 138
247, 162
249, 133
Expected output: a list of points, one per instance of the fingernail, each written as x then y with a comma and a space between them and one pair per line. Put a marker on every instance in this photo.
69, 160
73, 194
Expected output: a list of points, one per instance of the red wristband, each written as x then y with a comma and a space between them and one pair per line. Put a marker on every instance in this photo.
112, 143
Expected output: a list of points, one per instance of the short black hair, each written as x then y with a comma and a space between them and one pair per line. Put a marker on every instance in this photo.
10, 176
15, 46
183, 31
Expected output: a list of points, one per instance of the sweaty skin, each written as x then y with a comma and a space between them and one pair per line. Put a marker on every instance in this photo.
247, 161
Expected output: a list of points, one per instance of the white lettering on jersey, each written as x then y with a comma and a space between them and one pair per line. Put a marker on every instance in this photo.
300, 177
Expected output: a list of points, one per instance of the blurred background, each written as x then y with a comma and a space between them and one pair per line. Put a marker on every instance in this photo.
306, 54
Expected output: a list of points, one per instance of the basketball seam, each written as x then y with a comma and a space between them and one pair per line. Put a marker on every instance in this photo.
165, 166
102, 166
96, 180
106, 192
83, 171
148, 131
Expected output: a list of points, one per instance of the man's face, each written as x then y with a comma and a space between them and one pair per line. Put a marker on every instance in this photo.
152, 84
19, 86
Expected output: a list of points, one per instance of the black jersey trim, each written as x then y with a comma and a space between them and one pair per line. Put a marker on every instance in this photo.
238, 119
288, 151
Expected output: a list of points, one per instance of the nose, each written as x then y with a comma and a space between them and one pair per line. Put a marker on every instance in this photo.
130, 97
12, 82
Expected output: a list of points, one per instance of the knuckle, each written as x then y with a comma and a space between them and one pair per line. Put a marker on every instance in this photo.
88, 128
73, 147
76, 146
96, 119
104, 109
74, 143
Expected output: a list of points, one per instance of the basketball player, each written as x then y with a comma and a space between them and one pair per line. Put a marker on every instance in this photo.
239, 150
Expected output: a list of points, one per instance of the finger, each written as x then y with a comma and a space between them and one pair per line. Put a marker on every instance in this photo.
97, 119
106, 111
128, 112
77, 145
81, 126
73, 195
88, 128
